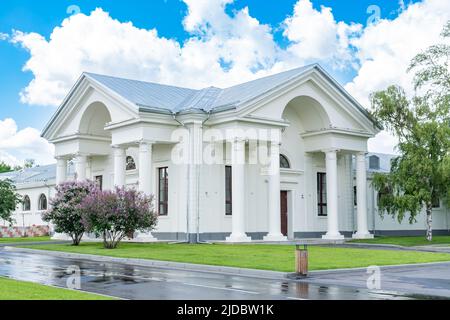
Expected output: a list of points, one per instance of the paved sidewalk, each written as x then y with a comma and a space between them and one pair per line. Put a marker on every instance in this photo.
431, 279
130, 281
376, 246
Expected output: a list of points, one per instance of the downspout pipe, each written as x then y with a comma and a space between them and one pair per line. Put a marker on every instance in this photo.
174, 116
198, 192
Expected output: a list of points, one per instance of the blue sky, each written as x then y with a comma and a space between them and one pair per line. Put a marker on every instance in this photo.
404, 30
164, 15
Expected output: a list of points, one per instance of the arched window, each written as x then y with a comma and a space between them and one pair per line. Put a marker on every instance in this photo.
374, 163
131, 165
284, 162
26, 205
42, 202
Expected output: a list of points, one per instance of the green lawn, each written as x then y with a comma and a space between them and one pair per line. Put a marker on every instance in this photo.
266, 257
407, 241
19, 290
31, 239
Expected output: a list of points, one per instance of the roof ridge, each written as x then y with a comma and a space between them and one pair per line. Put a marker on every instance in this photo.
140, 81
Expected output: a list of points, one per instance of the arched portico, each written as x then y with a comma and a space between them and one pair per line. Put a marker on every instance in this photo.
313, 132
310, 131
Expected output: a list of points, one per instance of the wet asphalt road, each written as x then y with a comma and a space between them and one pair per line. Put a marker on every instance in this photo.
144, 283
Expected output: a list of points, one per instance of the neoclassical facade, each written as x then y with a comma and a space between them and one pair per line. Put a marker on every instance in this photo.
279, 158
271, 159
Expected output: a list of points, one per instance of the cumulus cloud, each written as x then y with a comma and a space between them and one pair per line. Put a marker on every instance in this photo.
384, 50
315, 35
18, 145
228, 48
4, 36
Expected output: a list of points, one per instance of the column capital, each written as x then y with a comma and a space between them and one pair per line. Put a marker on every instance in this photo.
361, 153
145, 146
331, 150
146, 142
119, 150
81, 157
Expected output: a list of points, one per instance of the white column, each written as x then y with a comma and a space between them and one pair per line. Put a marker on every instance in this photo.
194, 169
61, 170
274, 196
80, 167
119, 166
145, 167
332, 197
361, 197
238, 192
145, 182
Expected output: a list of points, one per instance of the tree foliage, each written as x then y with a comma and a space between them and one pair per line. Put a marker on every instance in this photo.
65, 213
9, 199
115, 214
421, 174
5, 167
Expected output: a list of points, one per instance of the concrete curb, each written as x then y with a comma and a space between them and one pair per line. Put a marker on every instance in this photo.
252, 273
18, 244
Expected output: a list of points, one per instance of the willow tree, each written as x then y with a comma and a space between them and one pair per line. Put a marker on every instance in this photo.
420, 176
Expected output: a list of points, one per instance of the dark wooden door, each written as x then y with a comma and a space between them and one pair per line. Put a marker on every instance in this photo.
284, 213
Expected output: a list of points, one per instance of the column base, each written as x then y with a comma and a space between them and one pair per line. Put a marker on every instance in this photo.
363, 236
145, 237
333, 236
275, 238
61, 237
236, 238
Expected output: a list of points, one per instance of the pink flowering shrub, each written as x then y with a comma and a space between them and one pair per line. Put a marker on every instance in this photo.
65, 213
115, 214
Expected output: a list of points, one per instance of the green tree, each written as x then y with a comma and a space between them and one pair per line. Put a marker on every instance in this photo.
421, 174
29, 163
4, 167
9, 199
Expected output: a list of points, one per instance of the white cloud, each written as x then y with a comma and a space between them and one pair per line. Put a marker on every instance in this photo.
225, 49
383, 143
315, 35
18, 145
3, 36
386, 49
98, 43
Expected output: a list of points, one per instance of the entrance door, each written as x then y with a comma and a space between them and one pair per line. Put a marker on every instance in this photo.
284, 213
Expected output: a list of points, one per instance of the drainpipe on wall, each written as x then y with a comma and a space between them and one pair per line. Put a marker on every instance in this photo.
187, 187
198, 189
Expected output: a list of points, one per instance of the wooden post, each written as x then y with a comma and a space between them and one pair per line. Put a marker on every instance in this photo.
301, 261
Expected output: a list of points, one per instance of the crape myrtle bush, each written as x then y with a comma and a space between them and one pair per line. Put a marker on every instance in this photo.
116, 214
80, 207
65, 213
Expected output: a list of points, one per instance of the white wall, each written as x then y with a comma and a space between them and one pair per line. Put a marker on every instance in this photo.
34, 216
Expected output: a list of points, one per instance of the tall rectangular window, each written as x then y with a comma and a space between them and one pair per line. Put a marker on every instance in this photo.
322, 194
228, 191
99, 182
163, 192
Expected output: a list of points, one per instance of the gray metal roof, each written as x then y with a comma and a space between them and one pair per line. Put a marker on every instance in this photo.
39, 174
151, 96
32, 175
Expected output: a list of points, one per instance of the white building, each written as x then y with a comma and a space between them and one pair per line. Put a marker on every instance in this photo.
274, 159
